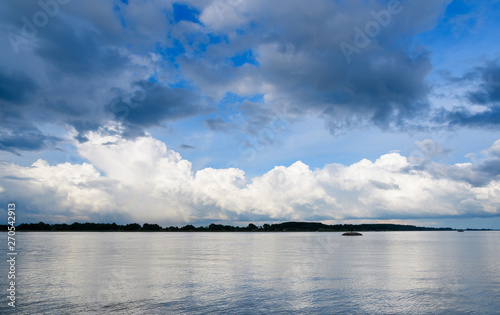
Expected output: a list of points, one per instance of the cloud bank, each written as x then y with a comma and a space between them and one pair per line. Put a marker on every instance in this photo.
151, 64
142, 180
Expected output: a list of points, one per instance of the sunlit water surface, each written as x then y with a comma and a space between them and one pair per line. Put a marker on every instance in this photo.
256, 273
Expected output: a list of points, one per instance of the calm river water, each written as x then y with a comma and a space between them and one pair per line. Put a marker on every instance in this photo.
255, 273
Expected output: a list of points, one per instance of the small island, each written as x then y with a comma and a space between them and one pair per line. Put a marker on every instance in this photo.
352, 234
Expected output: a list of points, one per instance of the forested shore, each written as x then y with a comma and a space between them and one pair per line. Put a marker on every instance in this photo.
278, 227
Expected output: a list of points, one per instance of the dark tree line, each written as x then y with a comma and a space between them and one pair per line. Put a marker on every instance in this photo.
279, 227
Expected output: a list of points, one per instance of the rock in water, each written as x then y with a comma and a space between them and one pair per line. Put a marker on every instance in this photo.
352, 234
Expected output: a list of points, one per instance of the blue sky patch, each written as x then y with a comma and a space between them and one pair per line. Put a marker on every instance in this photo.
183, 12
118, 13
243, 58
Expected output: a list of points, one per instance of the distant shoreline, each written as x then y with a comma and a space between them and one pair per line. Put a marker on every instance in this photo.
279, 227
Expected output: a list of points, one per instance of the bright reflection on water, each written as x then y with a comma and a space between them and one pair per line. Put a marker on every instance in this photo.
257, 273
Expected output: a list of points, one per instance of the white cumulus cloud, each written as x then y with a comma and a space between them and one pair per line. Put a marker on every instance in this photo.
142, 180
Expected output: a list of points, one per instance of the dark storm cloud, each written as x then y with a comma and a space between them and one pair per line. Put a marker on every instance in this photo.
384, 83
84, 56
17, 91
489, 89
151, 104
462, 116
25, 137
487, 94
16, 87
81, 54
46, 95
487, 79
491, 168
82, 127
67, 73
298, 49
64, 108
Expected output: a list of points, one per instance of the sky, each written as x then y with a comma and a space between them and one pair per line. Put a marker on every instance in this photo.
239, 111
